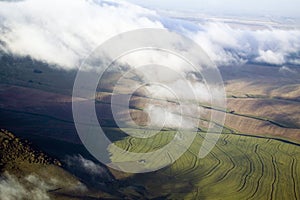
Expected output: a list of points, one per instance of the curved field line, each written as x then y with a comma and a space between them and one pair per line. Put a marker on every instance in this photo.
194, 162
225, 139
247, 175
293, 171
210, 172
293, 165
230, 169
273, 186
251, 178
262, 172
215, 166
224, 165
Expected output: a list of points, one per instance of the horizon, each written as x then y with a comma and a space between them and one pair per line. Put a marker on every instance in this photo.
286, 9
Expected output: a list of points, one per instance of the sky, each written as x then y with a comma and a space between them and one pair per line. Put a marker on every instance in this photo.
277, 8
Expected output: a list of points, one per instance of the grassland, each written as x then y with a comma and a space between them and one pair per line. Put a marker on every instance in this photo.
239, 167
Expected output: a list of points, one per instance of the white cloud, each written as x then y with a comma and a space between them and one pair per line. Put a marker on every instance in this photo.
32, 188
270, 57
170, 116
81, 164
226, 45
63, 32
287, 70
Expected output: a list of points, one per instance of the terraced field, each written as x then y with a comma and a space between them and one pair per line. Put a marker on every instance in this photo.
239, 167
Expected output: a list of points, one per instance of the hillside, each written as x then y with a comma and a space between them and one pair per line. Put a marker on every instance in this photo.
28, 173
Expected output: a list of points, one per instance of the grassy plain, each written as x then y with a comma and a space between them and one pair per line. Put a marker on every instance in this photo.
239, 167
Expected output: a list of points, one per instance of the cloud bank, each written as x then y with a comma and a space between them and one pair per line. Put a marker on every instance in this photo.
64, 32
227, 45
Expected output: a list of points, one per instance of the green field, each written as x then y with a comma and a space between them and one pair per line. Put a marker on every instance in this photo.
239, 167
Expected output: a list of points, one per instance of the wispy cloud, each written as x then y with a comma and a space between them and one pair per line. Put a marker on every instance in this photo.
30, 188
287, 71
35, 187
82, 165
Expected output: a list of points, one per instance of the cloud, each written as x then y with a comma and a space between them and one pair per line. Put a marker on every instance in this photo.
270, 57
227, 45
34, 187
80, 165
64, 32
30, 188
286, 70
168, 116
